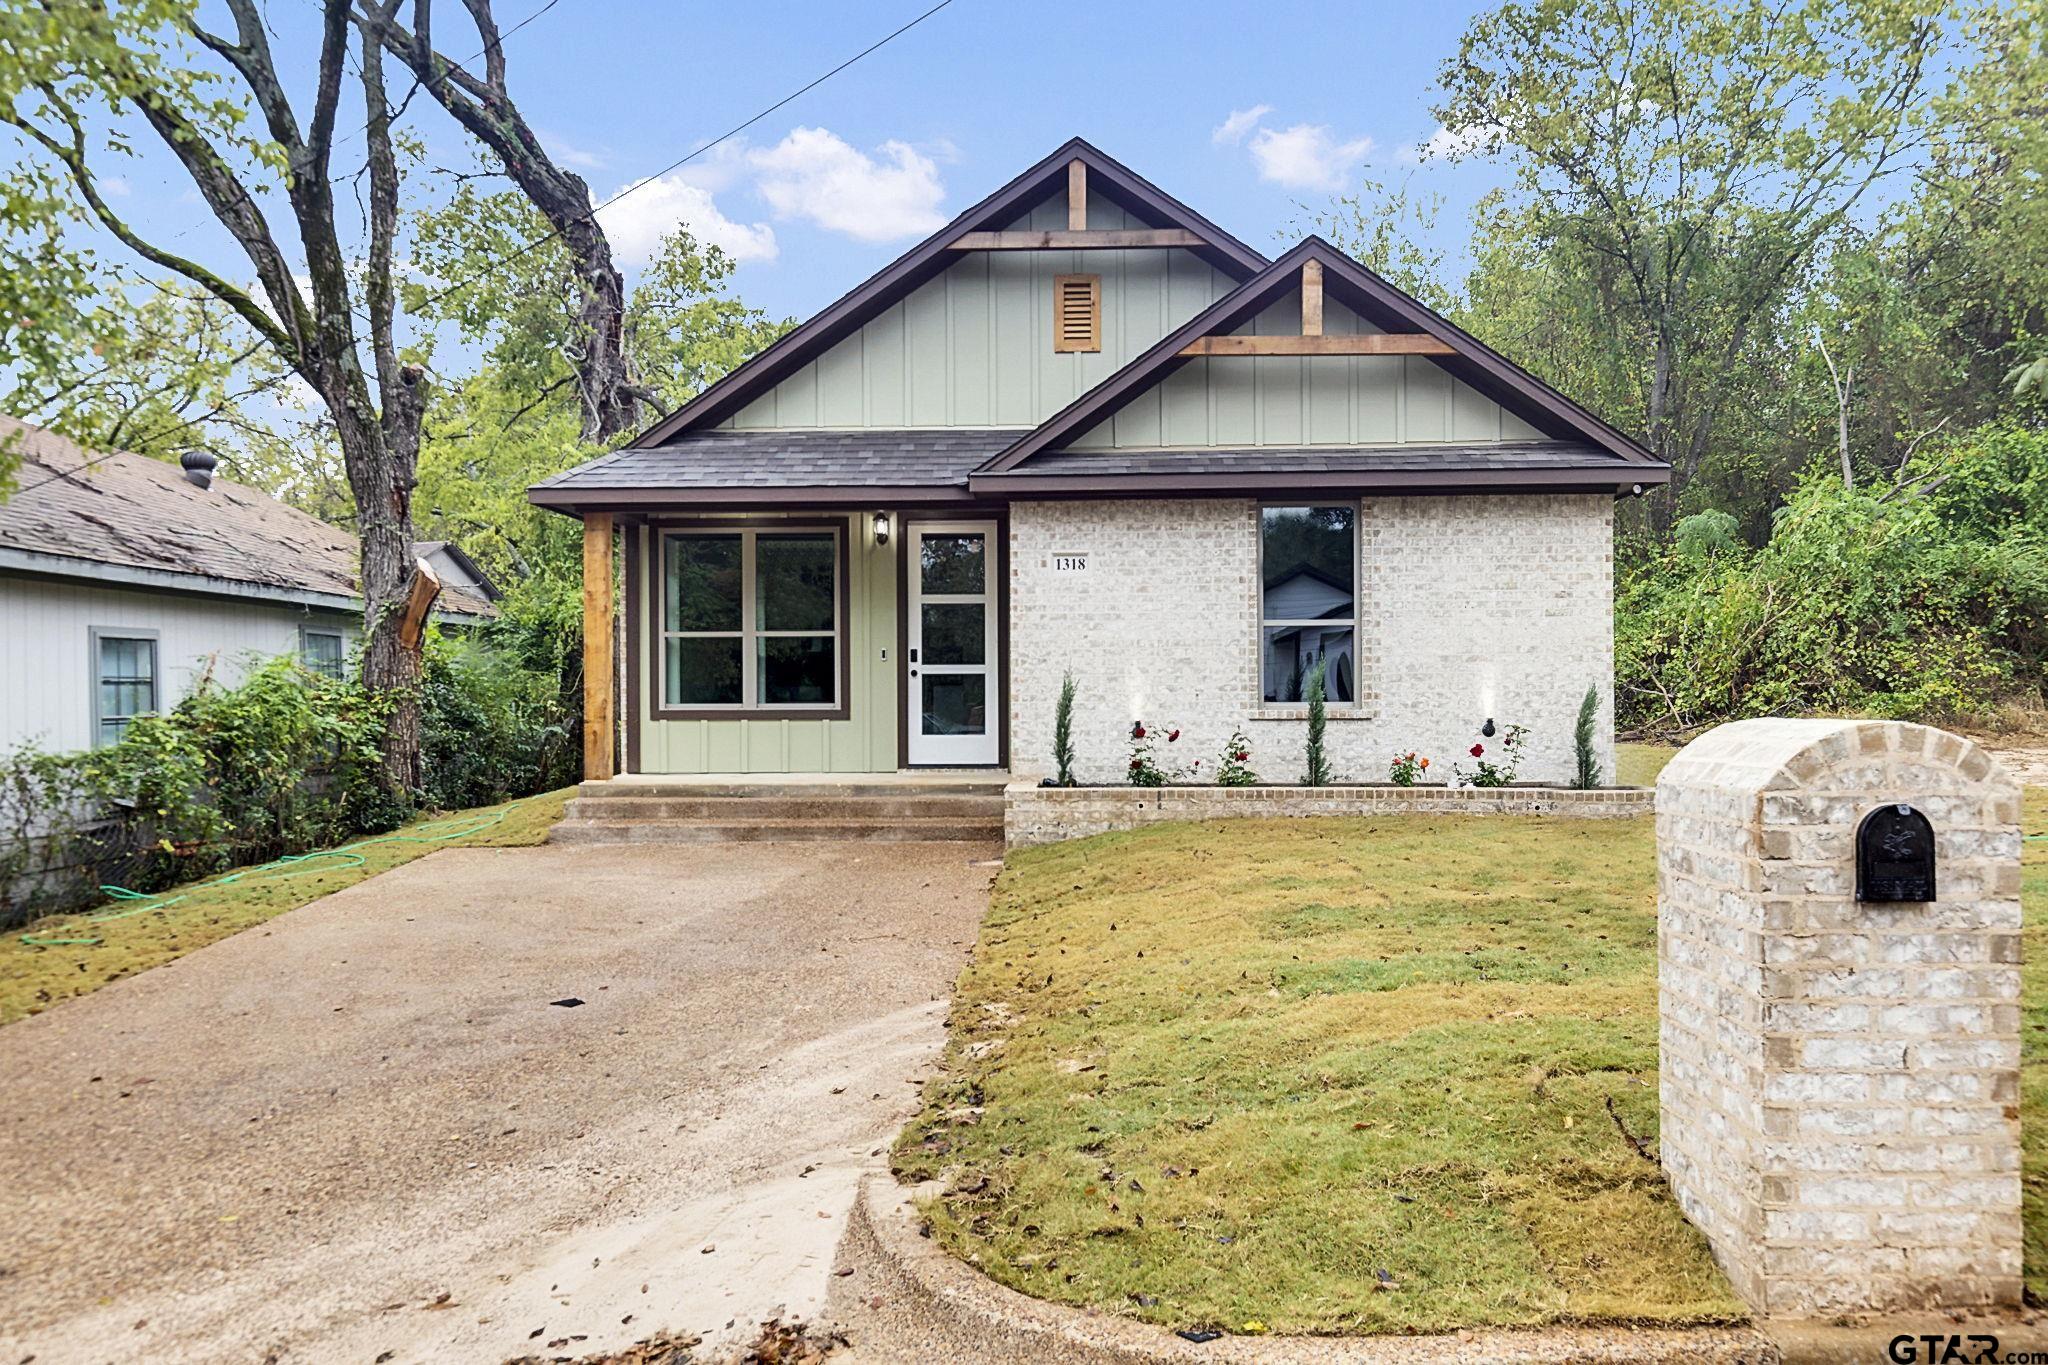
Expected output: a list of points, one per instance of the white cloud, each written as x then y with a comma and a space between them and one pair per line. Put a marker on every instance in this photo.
1307, 156
569, 154
1231, 131
637, 223
115, 185
814, 173
1447, 144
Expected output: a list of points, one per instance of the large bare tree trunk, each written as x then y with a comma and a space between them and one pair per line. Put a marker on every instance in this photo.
483, 105
312, 329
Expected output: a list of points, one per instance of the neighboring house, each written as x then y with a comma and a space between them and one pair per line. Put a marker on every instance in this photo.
1083, 429
455, 569
122, 584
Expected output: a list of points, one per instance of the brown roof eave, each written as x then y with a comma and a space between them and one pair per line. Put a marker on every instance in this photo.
582, 502
1622, 480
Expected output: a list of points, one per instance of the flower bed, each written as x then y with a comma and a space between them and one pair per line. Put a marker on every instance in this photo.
1045, 815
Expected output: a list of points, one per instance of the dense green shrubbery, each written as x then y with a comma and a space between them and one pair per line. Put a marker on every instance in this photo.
1927, 600
492, 730
284, 761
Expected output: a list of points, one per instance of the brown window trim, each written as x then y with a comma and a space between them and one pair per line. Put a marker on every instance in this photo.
1363, 706
842, 530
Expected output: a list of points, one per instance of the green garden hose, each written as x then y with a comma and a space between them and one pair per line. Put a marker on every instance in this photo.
445, 830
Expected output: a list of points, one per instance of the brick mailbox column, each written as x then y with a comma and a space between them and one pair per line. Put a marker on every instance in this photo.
1840, 1077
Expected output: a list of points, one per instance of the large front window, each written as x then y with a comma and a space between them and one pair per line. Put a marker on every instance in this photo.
1308, 559
751, 619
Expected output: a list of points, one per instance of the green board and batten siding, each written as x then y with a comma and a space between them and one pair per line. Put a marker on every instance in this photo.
1234, 401
973, 346
863, 743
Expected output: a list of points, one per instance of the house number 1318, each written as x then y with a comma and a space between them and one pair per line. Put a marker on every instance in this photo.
1070, 563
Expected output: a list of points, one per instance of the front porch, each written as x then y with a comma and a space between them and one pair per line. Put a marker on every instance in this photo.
800, 644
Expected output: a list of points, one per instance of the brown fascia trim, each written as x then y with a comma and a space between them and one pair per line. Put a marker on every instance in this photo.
1115, 181
582, 501
1485, 369
1622, 481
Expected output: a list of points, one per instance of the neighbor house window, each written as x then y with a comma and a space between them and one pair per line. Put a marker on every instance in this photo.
125, 682
1308, 560
750, 619
324, 652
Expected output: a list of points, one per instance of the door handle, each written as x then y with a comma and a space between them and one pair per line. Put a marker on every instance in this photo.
913, 656
913, 672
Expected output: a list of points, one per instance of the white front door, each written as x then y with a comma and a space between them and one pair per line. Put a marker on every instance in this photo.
954, 692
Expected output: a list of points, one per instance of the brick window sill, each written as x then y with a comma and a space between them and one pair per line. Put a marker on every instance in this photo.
1301, 713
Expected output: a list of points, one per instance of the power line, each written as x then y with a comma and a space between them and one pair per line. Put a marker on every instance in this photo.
538, 242
417, 86
681, 161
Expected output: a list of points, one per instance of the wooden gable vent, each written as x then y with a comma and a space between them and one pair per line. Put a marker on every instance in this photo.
1077, 312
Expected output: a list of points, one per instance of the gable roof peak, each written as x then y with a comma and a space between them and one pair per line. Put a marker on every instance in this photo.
1023, 192
1372, 297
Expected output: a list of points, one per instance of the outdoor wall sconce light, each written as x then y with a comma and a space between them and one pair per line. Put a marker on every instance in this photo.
1487, 729
881, 528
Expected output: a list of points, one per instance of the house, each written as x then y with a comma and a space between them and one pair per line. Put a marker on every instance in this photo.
122, 583
1083, 430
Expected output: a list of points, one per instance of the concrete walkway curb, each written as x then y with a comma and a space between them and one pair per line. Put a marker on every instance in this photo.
907, 1299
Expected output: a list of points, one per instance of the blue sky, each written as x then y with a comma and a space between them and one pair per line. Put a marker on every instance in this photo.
822, 193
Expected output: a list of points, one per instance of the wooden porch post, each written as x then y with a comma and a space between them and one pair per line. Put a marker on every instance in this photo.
598, 680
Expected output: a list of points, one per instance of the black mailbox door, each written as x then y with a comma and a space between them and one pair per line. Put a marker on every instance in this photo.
1895, 855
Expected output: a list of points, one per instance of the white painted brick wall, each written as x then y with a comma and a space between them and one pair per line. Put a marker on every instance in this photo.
1840, 1080
1471, 607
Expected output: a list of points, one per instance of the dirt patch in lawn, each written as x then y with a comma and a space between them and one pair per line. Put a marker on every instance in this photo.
1319, 1076
67, 955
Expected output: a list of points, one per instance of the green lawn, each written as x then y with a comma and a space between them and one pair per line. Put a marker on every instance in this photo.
33, 977
1337, 1076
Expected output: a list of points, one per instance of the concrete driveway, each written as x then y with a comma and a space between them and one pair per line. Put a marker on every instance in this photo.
362, 1128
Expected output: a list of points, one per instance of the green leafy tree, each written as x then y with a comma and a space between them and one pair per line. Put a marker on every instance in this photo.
69, 71
171, 369
1685, 164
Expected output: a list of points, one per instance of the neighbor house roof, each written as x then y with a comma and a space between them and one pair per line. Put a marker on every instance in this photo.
114, 516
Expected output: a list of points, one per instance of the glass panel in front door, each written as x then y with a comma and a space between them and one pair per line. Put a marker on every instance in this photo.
953, 687
952, 562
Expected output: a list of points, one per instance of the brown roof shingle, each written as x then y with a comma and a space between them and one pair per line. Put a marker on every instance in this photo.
128, 510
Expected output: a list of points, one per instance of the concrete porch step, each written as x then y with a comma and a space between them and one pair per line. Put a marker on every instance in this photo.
757, 790
618, 806
723, 831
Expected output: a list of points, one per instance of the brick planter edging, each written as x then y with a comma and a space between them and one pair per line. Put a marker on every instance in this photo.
1046, 815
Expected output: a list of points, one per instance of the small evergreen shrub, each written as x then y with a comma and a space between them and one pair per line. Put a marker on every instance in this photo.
1588, 775
1318, 767
1063, 734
